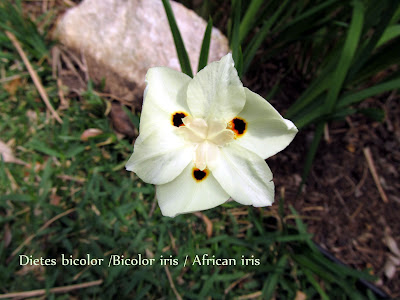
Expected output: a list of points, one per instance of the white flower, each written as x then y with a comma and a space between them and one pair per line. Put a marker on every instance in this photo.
204, 140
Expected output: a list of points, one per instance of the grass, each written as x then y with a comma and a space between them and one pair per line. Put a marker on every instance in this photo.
73, 197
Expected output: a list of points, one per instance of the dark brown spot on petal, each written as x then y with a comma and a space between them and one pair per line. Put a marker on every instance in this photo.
177, 118
238, 126
199, 175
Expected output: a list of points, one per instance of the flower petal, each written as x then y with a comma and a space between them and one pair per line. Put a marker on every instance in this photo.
244, 176
216, 92
206, 154
185, 194
160, 157
197, 126
267, 131
165, 94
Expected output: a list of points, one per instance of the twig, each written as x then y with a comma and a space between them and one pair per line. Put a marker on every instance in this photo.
326, 133
153, 206
235, 283
250, 296
10, 78
13, 183
346, 211
47, 224
69, 3
70, 65
363, 178
171, 283
57, 290
206, 220
371, 165
357, 211
34, 76
72, 178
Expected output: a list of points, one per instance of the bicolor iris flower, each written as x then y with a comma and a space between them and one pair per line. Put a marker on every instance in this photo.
205, 139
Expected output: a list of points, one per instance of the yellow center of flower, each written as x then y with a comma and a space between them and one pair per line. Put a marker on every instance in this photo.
207, 137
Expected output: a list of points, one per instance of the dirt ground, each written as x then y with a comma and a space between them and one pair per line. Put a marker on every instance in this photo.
340, 202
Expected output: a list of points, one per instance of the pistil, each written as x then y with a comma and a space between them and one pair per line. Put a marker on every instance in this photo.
207, 137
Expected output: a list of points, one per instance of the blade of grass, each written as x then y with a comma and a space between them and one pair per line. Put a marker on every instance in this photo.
396, 16
390, 33
249, 18
45, 225
205, 46
272, 280
256, 42
319, 85
13, 20
179, 45
302, 229
306, 262
384, 57
369, 92
349, 49
312, 151
316, 88
56, 290
309, 13
364, 52
34, 76
316, 285
306, 27
239, 64
235, 44
338, 268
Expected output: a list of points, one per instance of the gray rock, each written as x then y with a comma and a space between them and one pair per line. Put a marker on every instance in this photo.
119, 40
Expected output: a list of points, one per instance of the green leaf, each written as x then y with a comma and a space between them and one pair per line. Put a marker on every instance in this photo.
179, 45
375, 114
311, 12
316, 285
249, 18
383, 12
390, 33
384, 57
302, 229
257, 40
316, 88
39, 146
14, 20
312, 151
272, 280
369, 92
235, 44
349, 49
205, 46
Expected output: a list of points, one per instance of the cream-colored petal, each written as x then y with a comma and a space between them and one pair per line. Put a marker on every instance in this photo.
223, 137
165, 94
216, 91
198, 126
267, 131
189, 135
185, 194
201, 156
207, 154
159, 157
215, 126
244, 176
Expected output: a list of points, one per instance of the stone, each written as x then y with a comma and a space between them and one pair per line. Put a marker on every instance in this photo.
119, 40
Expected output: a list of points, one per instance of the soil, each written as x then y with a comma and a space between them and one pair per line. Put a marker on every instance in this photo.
340, 202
